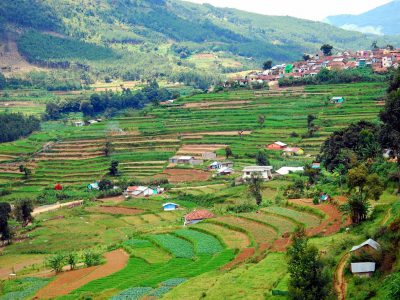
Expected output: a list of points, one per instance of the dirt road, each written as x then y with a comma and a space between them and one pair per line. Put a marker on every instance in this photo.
339, 280
42, 209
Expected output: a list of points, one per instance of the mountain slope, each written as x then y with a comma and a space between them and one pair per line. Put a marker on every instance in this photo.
381, 20
137, 39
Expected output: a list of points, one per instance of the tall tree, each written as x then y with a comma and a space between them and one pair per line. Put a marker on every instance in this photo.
261, 120
364, 187
23, 211
390, 131
108, 149
228, 152
267, 65
255, 187
114, 168
308, 281
5, 210
327, 49
261, 158
311, 125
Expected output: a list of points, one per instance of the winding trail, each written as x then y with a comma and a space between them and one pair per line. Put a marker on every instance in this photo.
339, 282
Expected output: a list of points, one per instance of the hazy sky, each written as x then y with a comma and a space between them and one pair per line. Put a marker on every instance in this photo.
306, 9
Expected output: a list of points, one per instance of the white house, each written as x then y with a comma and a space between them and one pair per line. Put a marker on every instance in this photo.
368, 245
79, 123
136, 191
287, 170
225, 171
363, 269
264, 171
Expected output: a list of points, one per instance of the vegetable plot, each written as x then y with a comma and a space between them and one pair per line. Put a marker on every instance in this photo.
203, 243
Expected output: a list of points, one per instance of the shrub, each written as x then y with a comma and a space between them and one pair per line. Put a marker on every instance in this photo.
91, 258
56, 262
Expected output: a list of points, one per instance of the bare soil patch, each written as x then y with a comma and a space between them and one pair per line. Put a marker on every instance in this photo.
215, 133
331, 224
115, 210
69, 281
18, 104
240, 258
185, 175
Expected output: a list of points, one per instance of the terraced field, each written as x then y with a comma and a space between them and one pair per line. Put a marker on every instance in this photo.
143, 143
190, 253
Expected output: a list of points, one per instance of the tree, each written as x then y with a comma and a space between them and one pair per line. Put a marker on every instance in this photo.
261, 158
114, 168
72, 260
108, 149
228, 152
327, 49
91, 258
27, 172
310, 125
389, 135
312, 174
267, 65
5, 210
86, 108
23, 211
365, 187
346, 147
105, 185
56, 262
374, 45
255, 187
52, 111
3, 82
261, 120
306, 57
389, 47
308, 281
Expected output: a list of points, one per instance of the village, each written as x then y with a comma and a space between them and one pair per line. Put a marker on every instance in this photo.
379, 60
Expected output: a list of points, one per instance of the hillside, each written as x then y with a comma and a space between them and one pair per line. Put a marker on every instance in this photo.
132, 39
381, 20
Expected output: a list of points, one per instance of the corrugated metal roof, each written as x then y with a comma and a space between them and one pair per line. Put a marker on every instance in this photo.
363, 267
369, 242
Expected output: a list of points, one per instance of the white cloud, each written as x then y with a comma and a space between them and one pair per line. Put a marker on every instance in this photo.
364, 29
306, 9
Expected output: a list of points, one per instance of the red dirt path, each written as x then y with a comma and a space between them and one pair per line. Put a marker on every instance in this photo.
69, 281
331, 224
241, 257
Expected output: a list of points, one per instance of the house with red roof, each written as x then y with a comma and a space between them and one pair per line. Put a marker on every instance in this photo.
197, 216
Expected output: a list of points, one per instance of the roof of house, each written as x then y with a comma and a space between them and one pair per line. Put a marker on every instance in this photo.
199, 215
185, 157
136, 188
363, 267
225, 170
280, 144
257, 168
170, 203
287, 170
369, 242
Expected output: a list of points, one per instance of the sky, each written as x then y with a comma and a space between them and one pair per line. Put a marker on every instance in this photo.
307, 9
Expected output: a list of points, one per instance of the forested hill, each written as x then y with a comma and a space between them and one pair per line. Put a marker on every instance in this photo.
383, 19
161, 32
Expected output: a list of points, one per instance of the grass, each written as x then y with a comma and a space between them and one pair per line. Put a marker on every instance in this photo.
252, 281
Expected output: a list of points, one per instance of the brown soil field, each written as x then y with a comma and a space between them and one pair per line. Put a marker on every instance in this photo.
240, 258
69, 281
331, 224
204, 55
114, 210
184, 175
214, 103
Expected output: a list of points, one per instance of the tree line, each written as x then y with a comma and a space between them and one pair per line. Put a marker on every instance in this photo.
326, 76
16, 125
109, 102
22, 213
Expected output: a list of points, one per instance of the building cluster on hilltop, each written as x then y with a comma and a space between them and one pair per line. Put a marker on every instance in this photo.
380, 60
